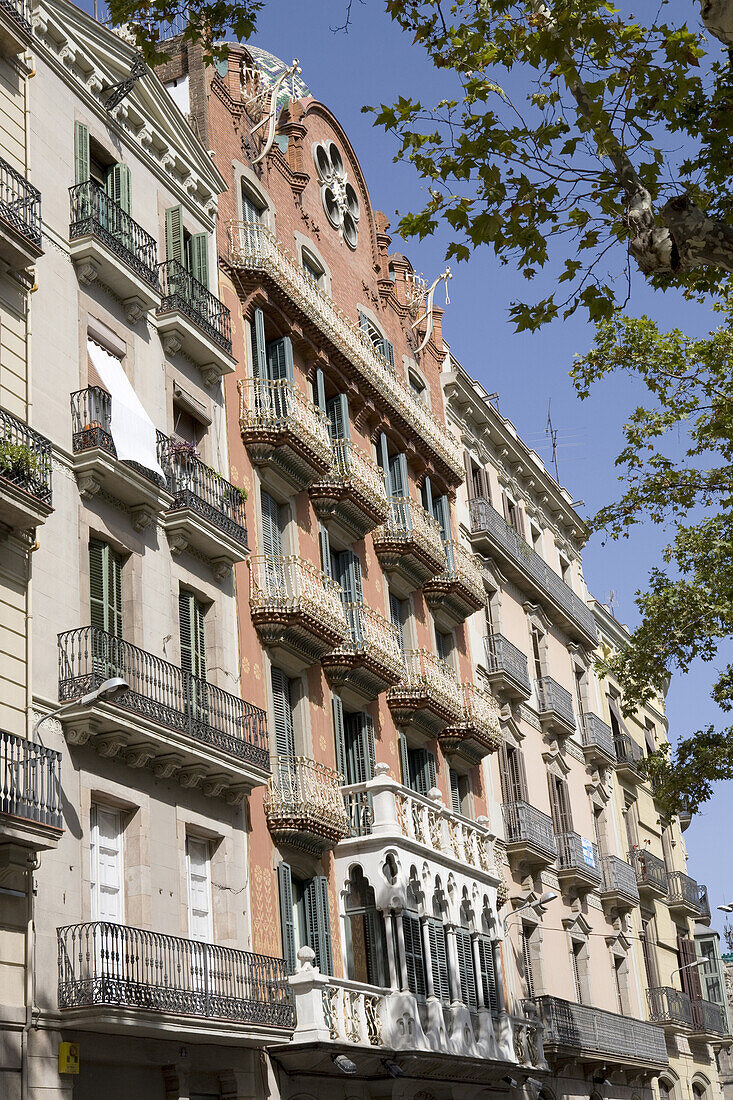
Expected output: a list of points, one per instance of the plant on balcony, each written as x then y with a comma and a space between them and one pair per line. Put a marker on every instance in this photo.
18, 460
181, 448
238, 495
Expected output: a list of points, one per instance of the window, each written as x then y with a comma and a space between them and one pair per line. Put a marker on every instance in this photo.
535, 535
418, 387
565, 571
511, 771
709, 971
380, 342
439, 959
418, 767
579, 680
193, 653
488, 973
186, 427
345, 568
648, 948
337, 410
252, 209
304, 918
198, 871
282, 711
562, 819
460, 790
107, 870
538, 640
366, 942
665, 1090
527, 962
354, 737
466, 971
491, 612
619, 965
398, 616
630, 815
512, 514
443, 645
272, 525
576, 960
189, 251
92, 162
687, 960
650, 736
599, 830
105, 608
312, 268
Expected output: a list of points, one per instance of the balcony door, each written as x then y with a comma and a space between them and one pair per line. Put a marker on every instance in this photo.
107, 896
198, 871
272, 572
337, 409
105, 609
285, 770
562, 818
511, 774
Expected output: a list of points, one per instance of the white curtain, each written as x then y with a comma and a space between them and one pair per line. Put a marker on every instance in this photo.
133, 432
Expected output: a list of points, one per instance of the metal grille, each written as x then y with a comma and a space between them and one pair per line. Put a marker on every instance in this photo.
597, 733
669, 1006
627, 750
619, 878
110, 964
523, 822
682, 890
527, 960
502, 656
29, 781
25, 458
182, 291
650, 869
554, 699
20, 201
196, 486
163, 693
570, 855
589, 1030
91, 426
94, 213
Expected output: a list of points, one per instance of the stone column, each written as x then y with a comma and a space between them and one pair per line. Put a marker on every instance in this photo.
394, 982
425, 933
477, 970
499, 975
453, 968
401, 951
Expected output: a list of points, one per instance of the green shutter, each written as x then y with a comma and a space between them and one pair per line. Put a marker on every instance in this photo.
185, 599
439, 959
319, 390
325, 545
360, 750
259, 355
466, 969
193, 635
81, 153
272, 539
348, 575
338, 416
441, 511
422, 770
199, 258
338, 735
404, 759
280, 360
118, 186
376, 948
105, 588
287, 919
174, 249
398, 475
282, 713
427, 495
318, 922
488, 975
455, 792
387, 351
414, 957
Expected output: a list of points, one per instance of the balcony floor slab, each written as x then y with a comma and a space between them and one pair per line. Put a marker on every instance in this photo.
178, 333
450, 602
19, 509
350, 515
96, 470
95, 262
17, 252
116, 1019
285, 460
187, 529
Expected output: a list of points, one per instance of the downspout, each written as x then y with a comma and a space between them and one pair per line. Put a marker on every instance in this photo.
30, 974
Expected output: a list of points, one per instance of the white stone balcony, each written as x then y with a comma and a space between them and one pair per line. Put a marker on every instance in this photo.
428, 696
258, 254
458, 591
409, 546
351, 497
303, 804
479, 731
296, 609
368, 661
286, 436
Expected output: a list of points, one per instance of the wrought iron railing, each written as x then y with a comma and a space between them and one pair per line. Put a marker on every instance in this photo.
253, 246
105, 964
162, 693
554, 699
628, 753
682, 890
196, 486
575, 854
371, 634
484, 517
709, 1018
181, 291
352, 467
595, 733
428, 676
30, 776
303, 790
268, 406
409, 522
25, 458
293, 586
650, 869
94, 213
525, 824
20, 11
461, 568
502, 656
669, 1006
91, 427
704, 903
20, 201
587, 1030
619, 878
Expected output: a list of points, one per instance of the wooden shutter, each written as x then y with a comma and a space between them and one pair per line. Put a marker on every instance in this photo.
468, 466
466, 971
404, 759
455, 792
511, 772
427, 495
395, 612
324, 542
383, 458
287, 918
282, 713
193, 636
319, 390
439, 959
174, 249
199, 258
105, 588
414, 957
259, 354
272, 540
360, 751
339, 735
387, 351
118, 186
82, 162
338, 416
280, 360
348, 575
398, 475
562, 818
376, 948
441, 511
488, 974
689, 974
365, 324
318, 922
250, 212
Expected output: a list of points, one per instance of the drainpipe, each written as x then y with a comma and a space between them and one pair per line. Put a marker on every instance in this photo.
30, 974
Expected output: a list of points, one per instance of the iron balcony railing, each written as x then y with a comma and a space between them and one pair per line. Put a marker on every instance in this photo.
709, 1018
20, 11
484, 517
196, 486
682, 890
371, 634
502, 656
103, 964
554, 699
20, 201
182, 291
94, 213
619, 878
704, 903
628, 753
525, 824
162, 693
669, 1006
584, 1030
302, 792
573, 854
30, 776
596, 734
650, 870
91, 427
25, 458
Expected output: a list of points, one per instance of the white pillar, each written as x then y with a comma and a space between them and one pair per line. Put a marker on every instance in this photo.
394, 982
401, 951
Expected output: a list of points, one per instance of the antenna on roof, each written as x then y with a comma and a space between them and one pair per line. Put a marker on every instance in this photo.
552, 433
612, 601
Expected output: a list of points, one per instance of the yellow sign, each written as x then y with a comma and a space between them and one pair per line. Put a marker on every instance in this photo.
68, 1057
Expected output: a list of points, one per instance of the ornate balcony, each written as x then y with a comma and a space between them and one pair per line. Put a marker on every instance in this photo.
428, 697
619, 887
207, 514
458, 591
20, 201
529, 834
285, 434
16, 31
479, 731
368, 661
597, 740
578, 863
97, 468
193, 321
304, 806
530, 572
296, 609
683, 894
651, 873
409, 546
554, 707
176, 723
257, 254
709, 1021
107, 246
112, 976
30, 796
670, 1007
351, 497
591, 1035
506, 668
628, 757
26, 497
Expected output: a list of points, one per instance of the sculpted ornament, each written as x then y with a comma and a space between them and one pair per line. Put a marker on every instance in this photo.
339, 198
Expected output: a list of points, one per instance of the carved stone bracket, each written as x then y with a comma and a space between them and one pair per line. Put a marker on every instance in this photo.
210, 374
166, 766
222, 568
110, 744
139, 756
142, 516
135, 309
87, 271
171, 343
89, 486
177, 542
191, 776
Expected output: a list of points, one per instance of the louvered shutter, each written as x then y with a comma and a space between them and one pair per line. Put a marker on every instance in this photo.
455, 793
360, 751
272, 542
118, 186
348, 575
338, 416
441, 511
511, 768
488, 974
559, 805
414, 957
250, 212
319, 390
174, 249
185, 600
395, 612
376, 948
689, 973
280, 360
199, 258
439, 960
318, 922
364, 323
339, 735
427, 495
404, 759
466, 969
324, 542
388, 352
422, 770
383, 459
115, 593
81, 153
259, 354
287, 919
97, 586
468, 466
398, 475
282, 713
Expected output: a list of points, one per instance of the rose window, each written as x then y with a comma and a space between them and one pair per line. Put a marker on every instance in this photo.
339, 197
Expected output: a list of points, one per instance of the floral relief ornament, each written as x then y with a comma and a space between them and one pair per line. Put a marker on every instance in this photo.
339, 198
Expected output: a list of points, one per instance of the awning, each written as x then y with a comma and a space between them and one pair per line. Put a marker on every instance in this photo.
133, 432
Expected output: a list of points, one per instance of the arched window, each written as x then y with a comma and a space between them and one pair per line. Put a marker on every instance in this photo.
699, 1090
366, 944
417, 386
